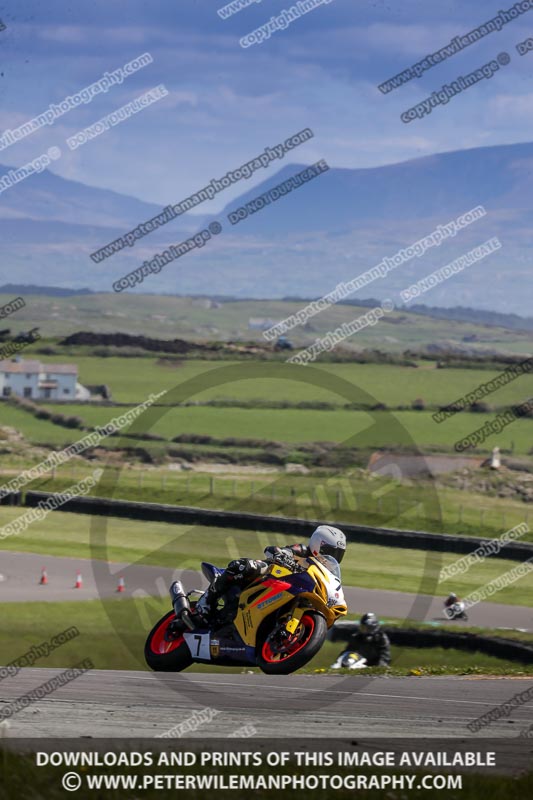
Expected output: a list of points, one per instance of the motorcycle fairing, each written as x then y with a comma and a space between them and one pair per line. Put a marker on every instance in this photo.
320, 588
206, 646
280, 588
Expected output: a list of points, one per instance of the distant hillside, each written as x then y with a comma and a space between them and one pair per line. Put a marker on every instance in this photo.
331, 229
206, 320
510, 321
49, 291
460, 314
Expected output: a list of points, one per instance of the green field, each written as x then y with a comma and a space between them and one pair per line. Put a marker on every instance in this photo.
342, 495
347, 496
361, 429
132, 379
414, 430
36, 431
368, 566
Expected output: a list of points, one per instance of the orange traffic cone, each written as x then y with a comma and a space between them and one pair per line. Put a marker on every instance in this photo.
121, 585
79, 582
44, 577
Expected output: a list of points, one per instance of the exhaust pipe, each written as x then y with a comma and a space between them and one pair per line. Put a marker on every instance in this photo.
180, 604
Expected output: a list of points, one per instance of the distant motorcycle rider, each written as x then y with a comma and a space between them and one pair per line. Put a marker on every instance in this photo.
369, 641
454, 608
451, 600
325, 540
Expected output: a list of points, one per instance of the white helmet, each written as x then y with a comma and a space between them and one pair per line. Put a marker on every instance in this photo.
328, 541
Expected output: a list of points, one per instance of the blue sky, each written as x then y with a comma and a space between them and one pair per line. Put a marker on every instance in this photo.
226, 103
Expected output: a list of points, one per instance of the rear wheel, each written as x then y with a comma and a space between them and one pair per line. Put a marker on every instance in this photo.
281, 655
166, 650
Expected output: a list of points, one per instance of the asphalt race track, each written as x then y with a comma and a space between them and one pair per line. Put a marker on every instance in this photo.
21, 573
143, 704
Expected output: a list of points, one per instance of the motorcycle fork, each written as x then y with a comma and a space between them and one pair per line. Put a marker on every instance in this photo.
296, 615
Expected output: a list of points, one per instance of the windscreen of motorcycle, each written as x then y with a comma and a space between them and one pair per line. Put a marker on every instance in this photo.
335, 593
332, 564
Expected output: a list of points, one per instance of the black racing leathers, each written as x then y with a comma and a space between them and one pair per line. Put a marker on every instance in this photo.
374, 647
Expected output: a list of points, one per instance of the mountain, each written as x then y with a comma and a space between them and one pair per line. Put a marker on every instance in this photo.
47, 197
47, 291
331, 229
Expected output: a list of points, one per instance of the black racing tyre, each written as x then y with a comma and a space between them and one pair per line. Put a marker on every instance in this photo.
164, 653
299, 650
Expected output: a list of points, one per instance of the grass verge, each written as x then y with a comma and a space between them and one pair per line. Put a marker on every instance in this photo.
113, 633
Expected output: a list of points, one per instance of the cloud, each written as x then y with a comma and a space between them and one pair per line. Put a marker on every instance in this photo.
511, 108
66, 34
408, 39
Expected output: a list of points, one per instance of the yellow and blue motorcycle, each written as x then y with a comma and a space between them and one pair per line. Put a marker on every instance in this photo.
277, 623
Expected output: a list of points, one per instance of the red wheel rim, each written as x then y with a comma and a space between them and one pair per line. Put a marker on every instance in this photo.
158, 642
294, 644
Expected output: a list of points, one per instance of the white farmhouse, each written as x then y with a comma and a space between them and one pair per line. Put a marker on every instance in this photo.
38, 381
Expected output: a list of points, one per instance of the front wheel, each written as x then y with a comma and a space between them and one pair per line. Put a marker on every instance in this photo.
166, 651
279, 655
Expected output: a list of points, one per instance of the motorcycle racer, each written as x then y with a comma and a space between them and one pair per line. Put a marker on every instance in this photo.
454, 608
368, 642
278, 622
325, 540
451, 600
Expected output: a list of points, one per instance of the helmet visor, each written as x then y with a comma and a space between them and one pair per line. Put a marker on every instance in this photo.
369, 627
336, 552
